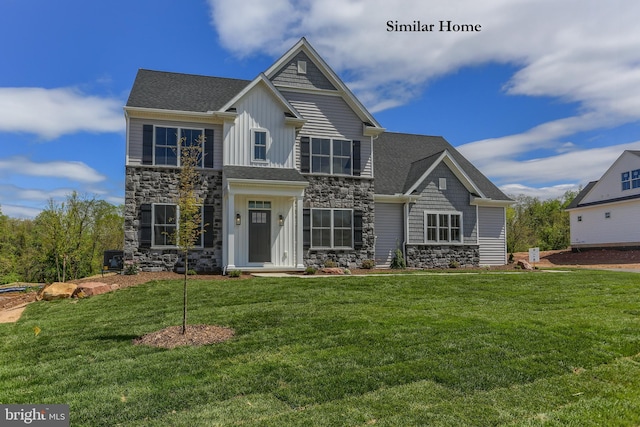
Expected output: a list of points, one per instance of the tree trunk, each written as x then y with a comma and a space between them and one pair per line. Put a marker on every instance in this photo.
184, 294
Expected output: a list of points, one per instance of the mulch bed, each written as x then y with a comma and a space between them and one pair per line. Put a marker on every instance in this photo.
195, 335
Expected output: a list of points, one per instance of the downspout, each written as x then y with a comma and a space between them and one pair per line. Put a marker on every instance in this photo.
405, 232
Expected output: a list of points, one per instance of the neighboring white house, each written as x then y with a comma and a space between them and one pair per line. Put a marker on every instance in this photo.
606, 213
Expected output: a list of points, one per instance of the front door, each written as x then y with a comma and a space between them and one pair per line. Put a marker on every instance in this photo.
259, 236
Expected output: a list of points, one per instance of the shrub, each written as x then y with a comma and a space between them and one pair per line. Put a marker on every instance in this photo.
130, 268
310, 270
368, 264
330, 263
235, 273
346, 271
454, 264
398, 261
192, 273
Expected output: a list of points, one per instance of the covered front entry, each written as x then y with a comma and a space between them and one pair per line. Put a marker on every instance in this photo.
262, 219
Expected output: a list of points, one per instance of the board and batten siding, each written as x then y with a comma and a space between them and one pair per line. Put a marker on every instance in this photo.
259, 110
134, 156
331, 117
389, 230
492, 235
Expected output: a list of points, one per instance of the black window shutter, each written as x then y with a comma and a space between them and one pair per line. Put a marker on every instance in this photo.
145, 226
356, 158
305, 154
306, 228
208, 226
147, 144
208, 148
357, 230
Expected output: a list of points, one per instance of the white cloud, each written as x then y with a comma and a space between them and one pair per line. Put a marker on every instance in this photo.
543, 193
14, 211
75, 171
50, 113
576, 51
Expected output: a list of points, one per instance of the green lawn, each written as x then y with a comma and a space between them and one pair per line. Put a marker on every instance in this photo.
453, 350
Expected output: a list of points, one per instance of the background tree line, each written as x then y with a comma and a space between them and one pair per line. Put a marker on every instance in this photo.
65, 241
532, 222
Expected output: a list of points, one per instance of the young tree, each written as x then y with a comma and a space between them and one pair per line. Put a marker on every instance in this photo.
189, 204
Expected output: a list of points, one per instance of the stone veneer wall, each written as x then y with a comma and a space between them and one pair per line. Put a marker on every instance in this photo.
160, 185
348, 193
429, 256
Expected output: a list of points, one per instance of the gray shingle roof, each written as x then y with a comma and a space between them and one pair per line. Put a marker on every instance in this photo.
263, 173
182, 92
581, 195
400, 159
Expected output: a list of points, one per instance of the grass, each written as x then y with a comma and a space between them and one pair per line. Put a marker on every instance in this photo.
445, 350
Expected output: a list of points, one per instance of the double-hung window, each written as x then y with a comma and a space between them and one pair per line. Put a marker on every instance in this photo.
259, 142
167, 148
331, 156
443, 227
332, 228
165, 224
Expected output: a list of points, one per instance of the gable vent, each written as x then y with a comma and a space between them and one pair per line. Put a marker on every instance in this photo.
302, 67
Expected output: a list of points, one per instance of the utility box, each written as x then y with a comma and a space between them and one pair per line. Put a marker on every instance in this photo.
113, 261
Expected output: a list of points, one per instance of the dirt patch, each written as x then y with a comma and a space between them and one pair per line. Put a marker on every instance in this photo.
595, 258
195, 335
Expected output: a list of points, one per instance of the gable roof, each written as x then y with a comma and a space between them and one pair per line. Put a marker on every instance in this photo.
401, 161
182, 92
305, 47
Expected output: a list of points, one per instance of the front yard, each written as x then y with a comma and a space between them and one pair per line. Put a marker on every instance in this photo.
469, 349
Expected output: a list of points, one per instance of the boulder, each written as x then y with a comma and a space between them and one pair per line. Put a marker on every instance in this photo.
524, 265
93, 288
332, 270
58, 291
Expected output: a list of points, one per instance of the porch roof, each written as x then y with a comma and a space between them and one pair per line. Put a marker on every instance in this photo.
263, 174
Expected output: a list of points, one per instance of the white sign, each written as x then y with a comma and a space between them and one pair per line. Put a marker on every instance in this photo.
534, 254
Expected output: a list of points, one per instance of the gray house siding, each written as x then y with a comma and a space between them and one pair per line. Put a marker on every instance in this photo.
313, 79
135, 138
492, 237
330, 116
389, 230
454, 198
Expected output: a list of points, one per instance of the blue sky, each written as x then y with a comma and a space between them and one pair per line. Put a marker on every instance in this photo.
543, 99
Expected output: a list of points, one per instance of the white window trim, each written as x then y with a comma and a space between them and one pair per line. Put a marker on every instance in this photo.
331, 140
438, 241
267, 139
178, 146
199, 245
332, 228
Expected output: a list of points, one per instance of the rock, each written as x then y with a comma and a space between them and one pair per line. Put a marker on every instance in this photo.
524, 265
94, 288
58, 291
333, 270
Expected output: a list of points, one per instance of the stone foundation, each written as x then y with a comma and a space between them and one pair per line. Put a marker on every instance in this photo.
428, 256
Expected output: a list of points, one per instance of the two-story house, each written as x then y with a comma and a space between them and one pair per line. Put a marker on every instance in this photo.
605, 213
296, 171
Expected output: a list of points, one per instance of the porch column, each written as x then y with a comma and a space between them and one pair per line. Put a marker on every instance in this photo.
231, 231
299, 231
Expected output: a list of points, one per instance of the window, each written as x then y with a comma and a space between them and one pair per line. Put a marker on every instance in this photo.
607, 215
165, 224
442, 183
259, 205
630, 179
167, 150
302, 67
579, 218
331, 156
443, 227
259, 138
635, 178
332, 228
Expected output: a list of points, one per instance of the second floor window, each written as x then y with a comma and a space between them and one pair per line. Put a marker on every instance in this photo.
167, 149
259, 137
331, 156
